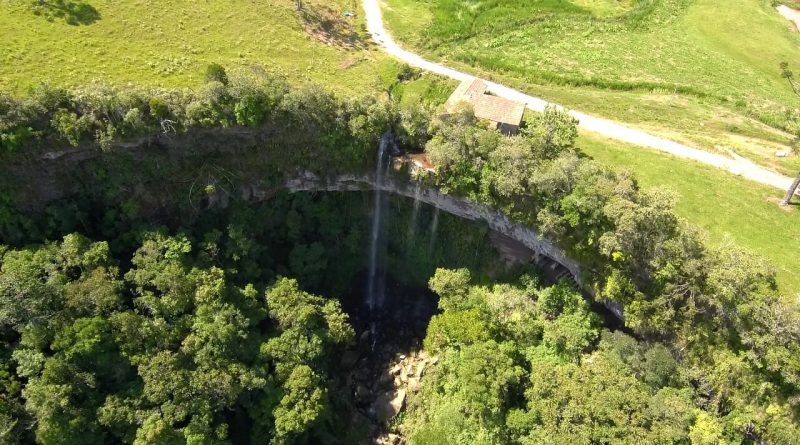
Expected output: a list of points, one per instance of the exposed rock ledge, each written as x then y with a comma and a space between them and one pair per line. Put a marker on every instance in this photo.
461, 207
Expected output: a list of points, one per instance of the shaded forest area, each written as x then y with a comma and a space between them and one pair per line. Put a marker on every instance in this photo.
164, 320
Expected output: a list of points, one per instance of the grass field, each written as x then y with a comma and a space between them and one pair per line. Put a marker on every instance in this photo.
170, 42
698, 72
726, 207
701, 71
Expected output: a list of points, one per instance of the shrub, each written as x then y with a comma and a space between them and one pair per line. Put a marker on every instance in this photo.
134, 121
11, 141
407, 73
158, 108
66, 123
216, 73
250, 110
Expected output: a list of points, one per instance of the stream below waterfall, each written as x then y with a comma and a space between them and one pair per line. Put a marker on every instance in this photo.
386, 363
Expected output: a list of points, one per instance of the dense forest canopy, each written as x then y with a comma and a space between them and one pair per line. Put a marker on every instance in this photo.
145, 299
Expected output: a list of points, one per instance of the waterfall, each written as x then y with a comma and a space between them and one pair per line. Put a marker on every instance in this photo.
434, 228
412, 225
375, 283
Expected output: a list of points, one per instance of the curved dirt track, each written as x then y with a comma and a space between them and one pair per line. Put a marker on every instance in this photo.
790, 14
605, 127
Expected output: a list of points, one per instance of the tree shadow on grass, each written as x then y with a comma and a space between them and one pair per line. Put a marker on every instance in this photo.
74, 12
331, 27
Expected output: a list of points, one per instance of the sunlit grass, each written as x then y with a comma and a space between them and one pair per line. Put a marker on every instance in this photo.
170, 42
726, 207
727, 55
700, 72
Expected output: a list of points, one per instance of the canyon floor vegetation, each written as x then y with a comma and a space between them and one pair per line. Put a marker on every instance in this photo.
162, 281
160, 234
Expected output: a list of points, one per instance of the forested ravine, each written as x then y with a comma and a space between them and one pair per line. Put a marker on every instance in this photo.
194, 267
321, 240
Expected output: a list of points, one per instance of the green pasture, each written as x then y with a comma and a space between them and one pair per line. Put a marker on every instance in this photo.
699, 71
168, 43
727, 208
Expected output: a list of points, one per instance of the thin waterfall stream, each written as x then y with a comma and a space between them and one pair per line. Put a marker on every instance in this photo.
412, 226
434, 228
376, 286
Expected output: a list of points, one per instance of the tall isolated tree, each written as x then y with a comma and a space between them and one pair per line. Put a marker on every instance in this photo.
789, 76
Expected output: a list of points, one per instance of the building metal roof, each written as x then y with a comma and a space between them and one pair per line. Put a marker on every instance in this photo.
485, 106
498, 109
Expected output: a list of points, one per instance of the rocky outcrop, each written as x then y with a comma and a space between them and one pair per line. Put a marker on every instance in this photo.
381, 379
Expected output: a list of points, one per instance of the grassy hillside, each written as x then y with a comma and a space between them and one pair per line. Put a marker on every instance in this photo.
697, 71
170, 42
727, 208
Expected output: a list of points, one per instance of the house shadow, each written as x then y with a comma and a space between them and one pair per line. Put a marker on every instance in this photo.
74, 12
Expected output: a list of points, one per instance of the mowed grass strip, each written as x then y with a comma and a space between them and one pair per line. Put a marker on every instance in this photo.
728, 208
168, 43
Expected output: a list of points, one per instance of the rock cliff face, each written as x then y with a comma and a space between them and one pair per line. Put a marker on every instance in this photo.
63, 169
457, 206
53, 186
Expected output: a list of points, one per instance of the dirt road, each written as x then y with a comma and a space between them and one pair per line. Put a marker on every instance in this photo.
605, 127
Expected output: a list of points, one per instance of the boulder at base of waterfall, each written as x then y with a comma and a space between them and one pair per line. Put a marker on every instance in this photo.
388, 405
385, 379
413, 384
362, 392
420, 369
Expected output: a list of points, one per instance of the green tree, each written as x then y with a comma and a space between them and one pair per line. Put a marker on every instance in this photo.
304, 401
64, 396
216, 73
469, 401
599, 400
553, 131
707, 430
310, 328
452, 286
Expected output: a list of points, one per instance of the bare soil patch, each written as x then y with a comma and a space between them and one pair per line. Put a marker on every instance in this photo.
793, 206
790, 14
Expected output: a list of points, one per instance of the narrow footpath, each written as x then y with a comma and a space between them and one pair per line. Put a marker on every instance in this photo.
614, 130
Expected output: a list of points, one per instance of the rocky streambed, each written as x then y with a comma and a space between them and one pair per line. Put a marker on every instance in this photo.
380, 385
386, 365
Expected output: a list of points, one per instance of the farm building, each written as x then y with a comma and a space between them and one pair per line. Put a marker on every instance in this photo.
504, 114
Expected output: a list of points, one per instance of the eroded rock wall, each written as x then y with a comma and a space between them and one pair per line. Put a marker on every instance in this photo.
461, 207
